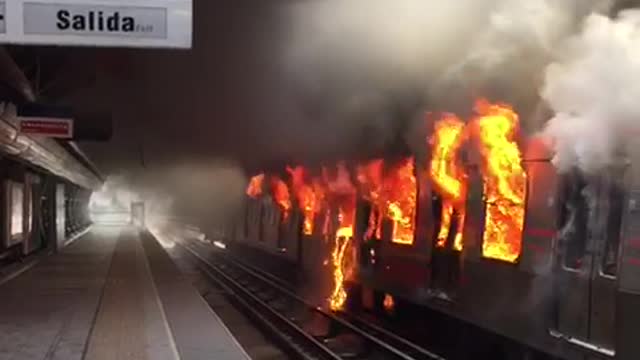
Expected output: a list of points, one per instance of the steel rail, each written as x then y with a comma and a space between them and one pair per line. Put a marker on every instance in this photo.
233, 287
284, 289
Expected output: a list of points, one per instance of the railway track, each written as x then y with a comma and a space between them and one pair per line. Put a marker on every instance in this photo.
407, 347
306, 331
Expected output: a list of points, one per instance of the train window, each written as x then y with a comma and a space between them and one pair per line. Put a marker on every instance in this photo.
30, 210
16, 211
613, 229
573, 220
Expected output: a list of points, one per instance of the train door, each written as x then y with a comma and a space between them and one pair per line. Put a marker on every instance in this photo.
365, 229
14, 214
259, 212
586, 262
31, 209
247, 222
447, 246
138, 214
602, 330
60, 215
456, 235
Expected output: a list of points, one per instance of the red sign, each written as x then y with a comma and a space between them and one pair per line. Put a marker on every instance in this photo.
55, 128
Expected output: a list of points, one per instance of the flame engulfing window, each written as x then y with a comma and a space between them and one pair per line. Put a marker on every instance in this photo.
392, 194
280, 192
309, 194
254, 189
505, 181
449, 179
400, 189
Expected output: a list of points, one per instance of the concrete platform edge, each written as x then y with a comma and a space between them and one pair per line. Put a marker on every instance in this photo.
163, 267
20, 268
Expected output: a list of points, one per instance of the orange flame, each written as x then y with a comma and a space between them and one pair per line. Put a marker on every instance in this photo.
388, 303
254, 189
280, 192
505, 181
339, 295
400, 191
343, 193
306, 196
448, 176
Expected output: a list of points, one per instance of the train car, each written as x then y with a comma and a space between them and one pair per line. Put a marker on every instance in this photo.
564, 280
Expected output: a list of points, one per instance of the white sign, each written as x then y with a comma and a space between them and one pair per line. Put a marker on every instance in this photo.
54, 128
119, 23
3, 22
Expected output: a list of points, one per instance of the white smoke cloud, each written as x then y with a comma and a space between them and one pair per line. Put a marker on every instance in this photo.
209, 192
115, 195
593, 89
361, 57
201, 193
517, 42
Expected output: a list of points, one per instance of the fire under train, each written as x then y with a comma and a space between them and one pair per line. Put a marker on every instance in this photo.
485, 229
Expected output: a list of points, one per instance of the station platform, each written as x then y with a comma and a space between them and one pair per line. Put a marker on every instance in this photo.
112, 294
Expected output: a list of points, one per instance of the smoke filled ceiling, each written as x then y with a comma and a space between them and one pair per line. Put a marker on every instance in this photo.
274, 81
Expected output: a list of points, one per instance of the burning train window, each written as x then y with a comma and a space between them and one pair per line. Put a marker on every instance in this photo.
449, 180
401, 188
391, 189
613, 229
505, 181
573, 220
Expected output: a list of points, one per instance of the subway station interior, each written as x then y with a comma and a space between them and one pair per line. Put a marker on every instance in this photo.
319, 179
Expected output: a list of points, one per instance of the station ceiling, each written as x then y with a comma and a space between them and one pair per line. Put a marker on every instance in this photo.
230, 96
177, 105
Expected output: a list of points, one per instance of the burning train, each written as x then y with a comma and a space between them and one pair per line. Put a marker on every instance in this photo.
485, 230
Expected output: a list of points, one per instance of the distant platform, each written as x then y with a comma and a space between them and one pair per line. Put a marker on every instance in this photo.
112, 294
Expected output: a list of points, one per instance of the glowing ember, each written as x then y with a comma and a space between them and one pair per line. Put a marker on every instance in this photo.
400, 190
280, 193
448, 176
388, 303
345, 232
254, 189
370, 181
306, 198
504, 181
